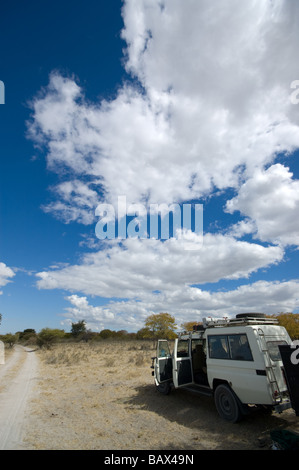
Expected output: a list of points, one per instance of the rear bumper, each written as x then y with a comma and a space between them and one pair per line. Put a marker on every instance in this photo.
286, 405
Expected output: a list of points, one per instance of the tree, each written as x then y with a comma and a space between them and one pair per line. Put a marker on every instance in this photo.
27, 336
144, 333
9, 339
161, 325
48, 336
291, 323
188, 326
105, 334
78, 328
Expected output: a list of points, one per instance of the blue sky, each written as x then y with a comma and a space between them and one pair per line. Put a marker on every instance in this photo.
163, 102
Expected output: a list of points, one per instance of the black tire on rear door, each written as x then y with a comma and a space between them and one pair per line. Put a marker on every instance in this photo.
251, 315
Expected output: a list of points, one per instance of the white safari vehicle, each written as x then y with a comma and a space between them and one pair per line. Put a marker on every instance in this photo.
240, 362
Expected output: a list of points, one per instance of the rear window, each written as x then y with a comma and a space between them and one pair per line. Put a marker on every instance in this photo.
274, 349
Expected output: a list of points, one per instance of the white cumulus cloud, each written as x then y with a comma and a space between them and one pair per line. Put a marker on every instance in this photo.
139, 267
208, 110
270, 199
6, 274
216, 101
186, 304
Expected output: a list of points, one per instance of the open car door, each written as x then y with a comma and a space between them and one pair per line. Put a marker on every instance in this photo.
291, 370
163, 363
182, 365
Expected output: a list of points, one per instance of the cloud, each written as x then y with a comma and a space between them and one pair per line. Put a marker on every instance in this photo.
186, 304
215, 103
97, 318
77, 202
6, 274
270, 200
206, 108
141, 266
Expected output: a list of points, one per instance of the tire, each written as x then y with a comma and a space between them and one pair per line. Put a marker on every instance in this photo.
164, 388
250, 315
227, 404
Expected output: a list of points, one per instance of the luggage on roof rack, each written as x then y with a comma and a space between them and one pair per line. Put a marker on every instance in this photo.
241, 318
251, 315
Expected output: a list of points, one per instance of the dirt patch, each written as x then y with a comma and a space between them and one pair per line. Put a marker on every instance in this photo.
17, 377
102, 396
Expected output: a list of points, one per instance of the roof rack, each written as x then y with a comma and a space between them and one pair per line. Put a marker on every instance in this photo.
253, 321
240, 319
210, 322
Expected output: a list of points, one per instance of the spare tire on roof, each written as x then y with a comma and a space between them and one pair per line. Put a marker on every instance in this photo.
251, 315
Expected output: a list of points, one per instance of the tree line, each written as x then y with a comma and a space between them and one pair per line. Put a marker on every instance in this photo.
161, 325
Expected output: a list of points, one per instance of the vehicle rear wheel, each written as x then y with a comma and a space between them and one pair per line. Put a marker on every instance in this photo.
164, 388
227, 404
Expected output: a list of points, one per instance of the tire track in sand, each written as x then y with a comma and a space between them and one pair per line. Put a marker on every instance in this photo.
16, 384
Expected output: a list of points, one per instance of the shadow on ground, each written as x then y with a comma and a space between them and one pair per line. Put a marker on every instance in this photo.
198, 413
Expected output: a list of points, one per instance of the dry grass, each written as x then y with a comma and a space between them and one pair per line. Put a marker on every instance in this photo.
105, 354
8, 352
87, 395
102, 396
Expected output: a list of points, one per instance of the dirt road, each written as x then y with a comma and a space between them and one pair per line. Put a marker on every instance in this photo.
16, 384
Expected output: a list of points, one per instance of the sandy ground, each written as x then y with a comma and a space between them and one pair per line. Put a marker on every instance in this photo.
102, 396
16, 384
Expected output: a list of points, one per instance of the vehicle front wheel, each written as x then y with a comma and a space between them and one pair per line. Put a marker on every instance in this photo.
227, 404
164, 388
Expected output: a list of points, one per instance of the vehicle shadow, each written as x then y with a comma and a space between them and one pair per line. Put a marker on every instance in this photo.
198, 412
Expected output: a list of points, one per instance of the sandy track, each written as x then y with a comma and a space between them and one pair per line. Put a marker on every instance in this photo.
16, 384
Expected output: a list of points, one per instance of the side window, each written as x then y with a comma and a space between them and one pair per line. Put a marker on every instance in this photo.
218, 347
183, 348
239, 348
235, 347
163, 349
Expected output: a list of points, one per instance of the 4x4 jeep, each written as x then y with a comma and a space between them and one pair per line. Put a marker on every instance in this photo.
240, 362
